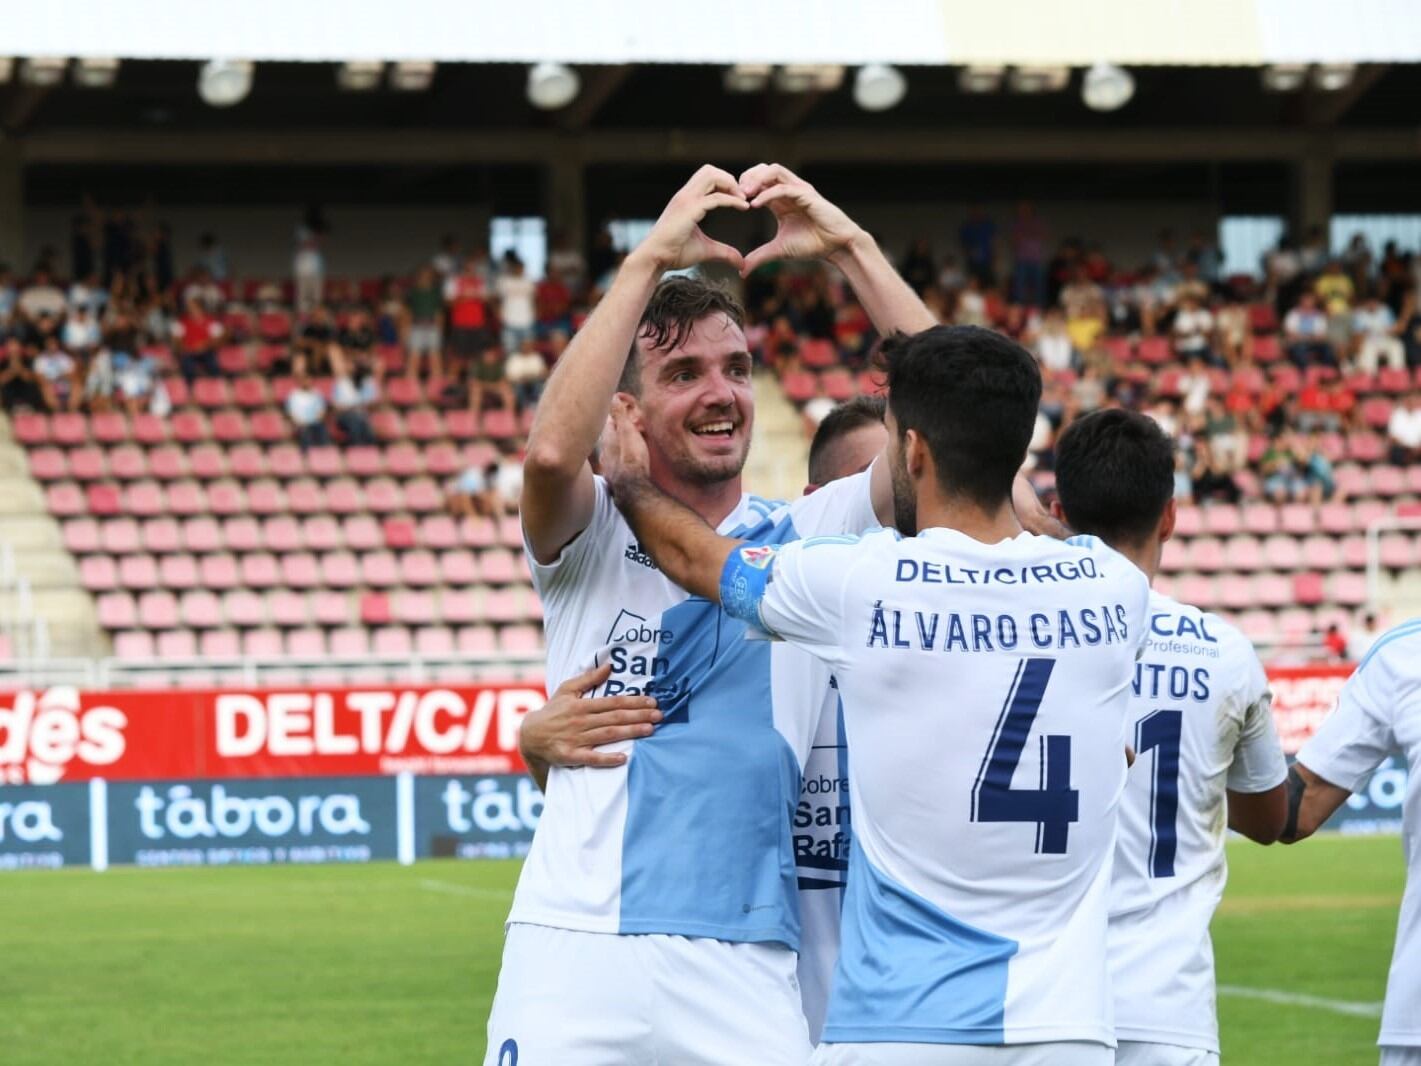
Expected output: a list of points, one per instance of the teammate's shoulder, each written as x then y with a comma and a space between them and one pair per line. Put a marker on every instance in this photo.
1119, 565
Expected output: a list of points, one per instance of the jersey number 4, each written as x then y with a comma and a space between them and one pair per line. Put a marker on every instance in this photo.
1054, 805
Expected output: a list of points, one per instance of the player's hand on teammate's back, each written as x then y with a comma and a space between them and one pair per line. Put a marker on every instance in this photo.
677, 241
809, 226
571, 726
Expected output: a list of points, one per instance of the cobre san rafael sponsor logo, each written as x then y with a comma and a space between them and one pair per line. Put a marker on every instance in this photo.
42, 735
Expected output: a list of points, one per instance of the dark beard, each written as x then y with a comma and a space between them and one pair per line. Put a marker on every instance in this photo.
905, 504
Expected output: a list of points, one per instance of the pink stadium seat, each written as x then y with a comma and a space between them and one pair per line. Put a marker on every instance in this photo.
1206, 554
1258, 625
1347, 589
325, 462
128, 462
1281, 552
375, 608
48, 464
219, 644
424, 424
1397, 551
1388, 481
150, 429
1297, 518
87, 464
242, 533
443, 460
404, 461
322, 533
228, 498
379, 569
282, 533
438, 531
103, 500
1334, 518
392, 641
510, 532
250, 392
134, 645
116, 610
1393, 381
98, 572
414, 608
69, 428
1190, 522
260, 570
188, 498
532, 606
243, 608
499, 425
145, 499
434, 640
265, 497
284, 461
189, 427
419, 569
200, 609
1354, 551
364, 461
344, 497
178, 571
269, 427
219, 571
402, 391
363, 533
457, 566
1376, 411
1413, 479
1352, 480
1153, 350
119, 536
168, 463
157, 609
1235, 591
1321, 553
1244, 554
81, 536
178, 394
1365, 513
330, 608
519, 640
496, 565
383, 496
262, 644
340, 570
476, 640
503, 605
201, 535
460, 605
211, 393
818, 354
30, 429
1365, 447
1260, 518
480, 454
423, 496
306, 643
1196, 590
350, 643
304, 496
387, 424
476, 532
301, 570
461, 425
1271, 590
65, 498
398, 533
109, 427
161, 535
1307, 589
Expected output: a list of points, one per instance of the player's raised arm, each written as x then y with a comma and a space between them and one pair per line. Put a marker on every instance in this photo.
557, 496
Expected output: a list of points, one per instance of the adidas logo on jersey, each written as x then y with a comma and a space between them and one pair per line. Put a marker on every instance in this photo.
637, 554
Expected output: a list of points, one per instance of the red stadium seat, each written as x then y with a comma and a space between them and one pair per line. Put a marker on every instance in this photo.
404, 461
250, 392
375, 609
189, 427
102, 500
398, 533
424, 424
402, 391
364, 461
499, 425
48, 464
150, 429
69, 429
87, 464
1307, 590
168, 463
269, 427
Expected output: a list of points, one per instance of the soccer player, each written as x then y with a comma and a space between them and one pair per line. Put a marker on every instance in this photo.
1378, 712
1207, 753
688, 844
985, 677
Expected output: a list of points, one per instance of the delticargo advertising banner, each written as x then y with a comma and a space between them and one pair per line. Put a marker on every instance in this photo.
262, 776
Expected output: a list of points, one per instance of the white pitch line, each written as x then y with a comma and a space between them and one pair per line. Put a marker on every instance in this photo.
1298, 999
452, 889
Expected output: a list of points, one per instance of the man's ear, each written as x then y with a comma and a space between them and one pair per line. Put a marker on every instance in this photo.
916, 456
634, 406
1168, 519
1058, 512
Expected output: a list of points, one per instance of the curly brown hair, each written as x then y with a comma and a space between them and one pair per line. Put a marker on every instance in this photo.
673, 311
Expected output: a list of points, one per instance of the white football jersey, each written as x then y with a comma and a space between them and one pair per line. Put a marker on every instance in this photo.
692, 837
1379, 712
985, 690
1201, 722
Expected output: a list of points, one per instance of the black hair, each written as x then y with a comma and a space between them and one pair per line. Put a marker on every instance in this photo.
972, 395
1114, 474
675, 307
838, 424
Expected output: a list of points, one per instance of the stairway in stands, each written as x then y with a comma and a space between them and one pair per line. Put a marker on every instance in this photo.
40, 557
779, 454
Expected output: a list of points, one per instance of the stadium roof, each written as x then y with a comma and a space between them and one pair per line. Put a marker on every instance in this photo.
907, 32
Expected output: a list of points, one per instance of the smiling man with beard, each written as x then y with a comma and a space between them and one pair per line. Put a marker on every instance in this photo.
656, 918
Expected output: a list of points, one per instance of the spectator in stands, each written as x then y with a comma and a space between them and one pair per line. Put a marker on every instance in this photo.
424, 332
1305, 329
197, 333
566, 262
204, 290
1227, 440
1052, 343
81, 331
1166, 257
58, 376
212, 257
1084, 303
919, 269
1282, 479
357, 335
1318, 478
1312, 256
465, 294
1357, 259
488, 380
1335, 641
1028, 248
9, 295
355, 389
308, 268
1203, 255
507, 481
951, 277
1183, 483
1090, 390
1193, 327
554, 304
1409, 324
88, 292
972, 304
318, 333
19, 384
516, 293
1282, 274
1212, 482
527, 372
1194, 386
42, 297
1235, 339
603, 258
139, 386
1315, 409
1375, 330
101, 380
817, 408
1403, 430
447, 261
1361, 640
472, 493
978, 237
306, 408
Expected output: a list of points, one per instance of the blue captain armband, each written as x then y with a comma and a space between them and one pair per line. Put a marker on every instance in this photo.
744, 579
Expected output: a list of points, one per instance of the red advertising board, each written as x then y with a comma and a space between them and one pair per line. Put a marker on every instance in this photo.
1302, 696
62, 734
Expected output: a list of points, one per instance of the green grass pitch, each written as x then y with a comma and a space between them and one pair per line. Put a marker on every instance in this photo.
386, 964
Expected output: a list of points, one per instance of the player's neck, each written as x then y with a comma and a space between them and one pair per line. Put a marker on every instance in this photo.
1145, 556
713, 502
969, 518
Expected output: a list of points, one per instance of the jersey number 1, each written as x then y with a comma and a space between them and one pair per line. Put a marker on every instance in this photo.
1161, 731
1054, 805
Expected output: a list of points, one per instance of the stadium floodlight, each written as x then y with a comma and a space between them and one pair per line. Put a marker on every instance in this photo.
43, 72
877, 87
1333, 77
981, 78
224, 82
1038, 79
1284, 77
552, 85
809, 77
360, 75
412, 75
747, 77
1107, 87
95, 73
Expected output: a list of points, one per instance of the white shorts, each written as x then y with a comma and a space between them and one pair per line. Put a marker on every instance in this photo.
1400, 1056
1142, 1053
1067, 1053
568, 998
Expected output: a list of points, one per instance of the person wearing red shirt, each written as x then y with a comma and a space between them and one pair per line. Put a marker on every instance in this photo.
1341, 402
466, 295
197, 333
554, 302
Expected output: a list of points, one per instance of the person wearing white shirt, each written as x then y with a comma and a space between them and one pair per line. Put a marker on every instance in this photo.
516, 292
306, 408
527, 371
1378, 712
1403, 430
81, 330
1375, 327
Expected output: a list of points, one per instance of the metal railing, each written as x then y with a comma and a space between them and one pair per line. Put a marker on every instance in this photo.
1374, 552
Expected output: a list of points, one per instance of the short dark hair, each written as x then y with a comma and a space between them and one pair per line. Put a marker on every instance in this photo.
1114, 474
838, 424
675, 307
972, 394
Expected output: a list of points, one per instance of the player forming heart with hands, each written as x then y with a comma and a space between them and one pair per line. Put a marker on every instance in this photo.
622, 454
808, 225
